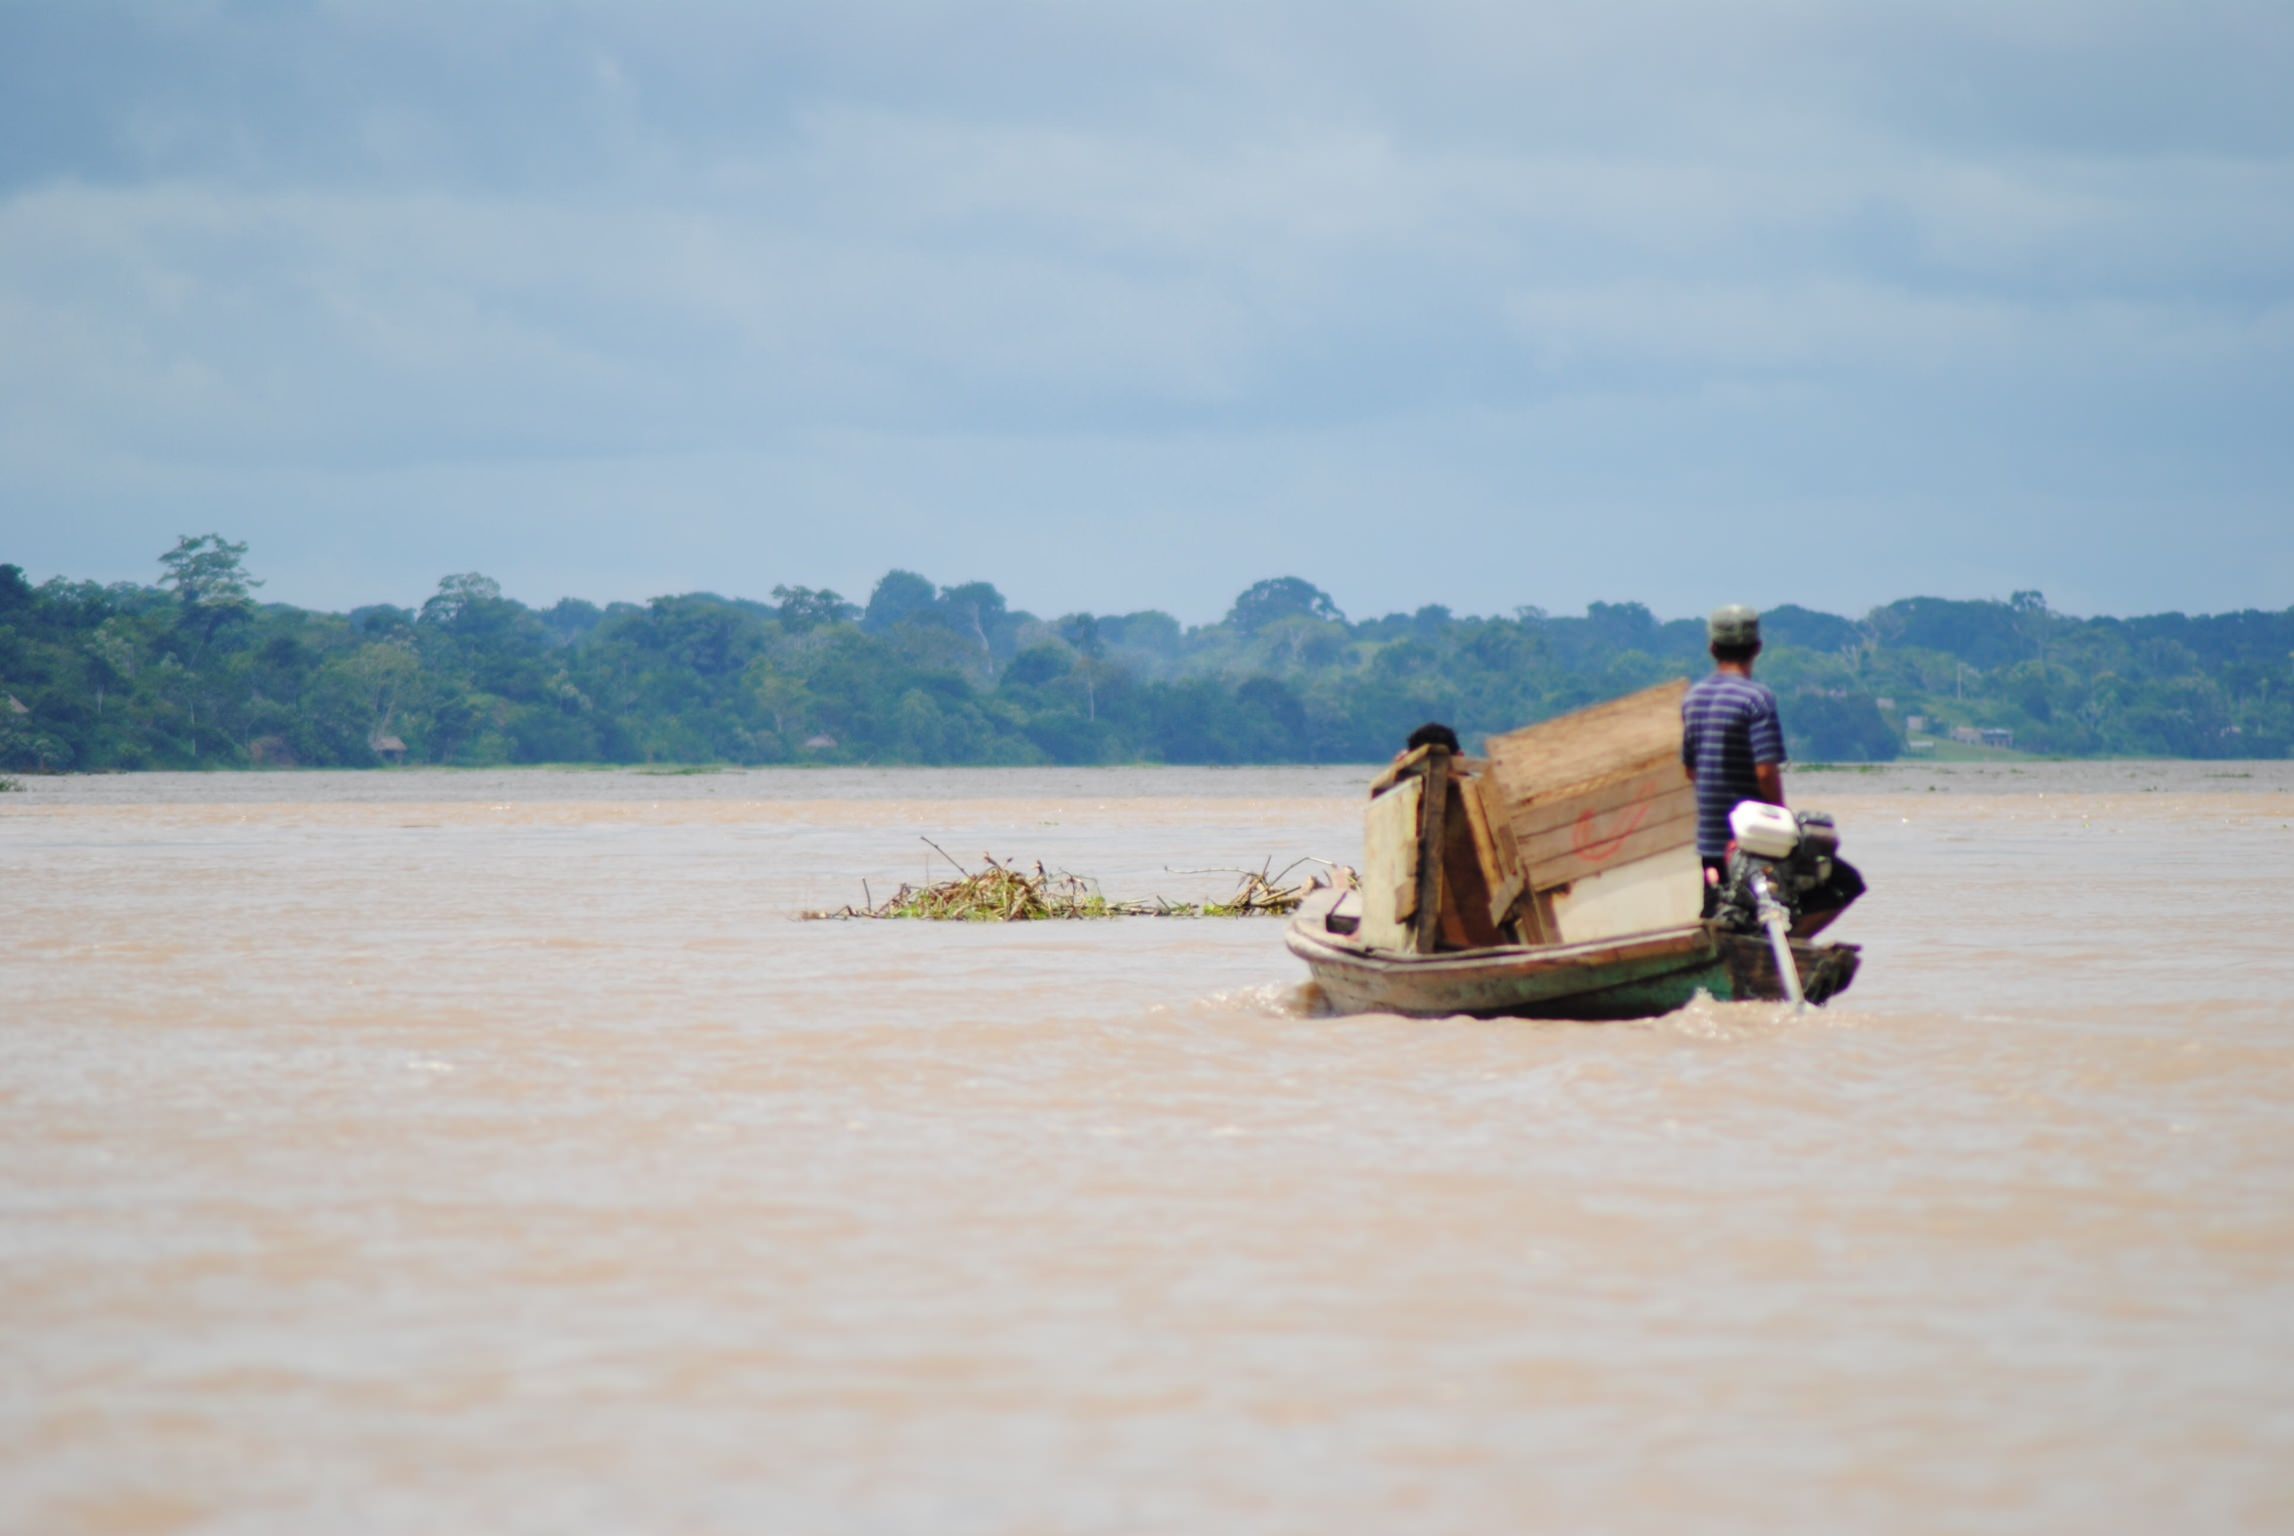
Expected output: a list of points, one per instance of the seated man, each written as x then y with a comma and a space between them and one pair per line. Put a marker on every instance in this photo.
1732, 742
1433, 734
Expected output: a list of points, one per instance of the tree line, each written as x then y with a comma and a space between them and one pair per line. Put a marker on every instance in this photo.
194, 671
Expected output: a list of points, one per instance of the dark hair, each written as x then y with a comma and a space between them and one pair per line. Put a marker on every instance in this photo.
1744, 651
1435, 734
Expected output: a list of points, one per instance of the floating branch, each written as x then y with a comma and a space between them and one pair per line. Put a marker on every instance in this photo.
1005, 893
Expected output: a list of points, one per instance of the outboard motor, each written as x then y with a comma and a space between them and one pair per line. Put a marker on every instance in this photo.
1784, 874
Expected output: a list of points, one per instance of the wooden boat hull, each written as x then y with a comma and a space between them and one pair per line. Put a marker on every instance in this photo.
1636, 976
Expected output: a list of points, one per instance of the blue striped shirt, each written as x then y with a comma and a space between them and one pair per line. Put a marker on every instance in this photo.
1728, 726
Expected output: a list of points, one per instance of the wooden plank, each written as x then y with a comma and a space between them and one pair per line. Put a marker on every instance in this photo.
1538, 923
1591, 744
1596, 843
1545, 812
1413, 762
1494, 849
1595, 824
1501, 824
1472, 915
1663, 890
1525, 915
1433, 816
1568, 854
1409, 765
1390, 865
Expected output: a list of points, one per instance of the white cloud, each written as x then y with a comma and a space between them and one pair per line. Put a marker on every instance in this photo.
1245, 257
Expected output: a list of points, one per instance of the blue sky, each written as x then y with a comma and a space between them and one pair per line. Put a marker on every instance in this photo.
1128, 305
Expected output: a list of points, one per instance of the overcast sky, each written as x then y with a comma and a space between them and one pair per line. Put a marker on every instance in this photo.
1128, 305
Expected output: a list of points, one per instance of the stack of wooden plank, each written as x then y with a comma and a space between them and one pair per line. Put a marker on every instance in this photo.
1469, 893
1581, 828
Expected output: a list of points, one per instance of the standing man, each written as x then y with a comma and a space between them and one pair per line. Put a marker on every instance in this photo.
1731, 740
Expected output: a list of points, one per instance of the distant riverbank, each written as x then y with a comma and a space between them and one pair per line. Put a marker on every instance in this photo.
195, 673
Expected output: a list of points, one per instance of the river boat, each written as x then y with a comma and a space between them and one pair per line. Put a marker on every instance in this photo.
1626, 976
1557, 878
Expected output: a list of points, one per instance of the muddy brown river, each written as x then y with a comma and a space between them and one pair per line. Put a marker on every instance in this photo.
492, 1152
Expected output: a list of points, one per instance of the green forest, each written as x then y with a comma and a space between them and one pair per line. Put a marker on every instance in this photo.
194, 671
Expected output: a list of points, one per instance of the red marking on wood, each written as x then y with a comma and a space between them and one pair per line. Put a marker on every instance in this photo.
1586, 841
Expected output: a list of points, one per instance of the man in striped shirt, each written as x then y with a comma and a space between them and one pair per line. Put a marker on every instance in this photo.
1731, 740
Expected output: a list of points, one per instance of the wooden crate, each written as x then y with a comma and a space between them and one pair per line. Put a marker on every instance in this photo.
1599, 806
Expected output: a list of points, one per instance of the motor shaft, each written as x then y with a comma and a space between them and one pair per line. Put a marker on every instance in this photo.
1779, 926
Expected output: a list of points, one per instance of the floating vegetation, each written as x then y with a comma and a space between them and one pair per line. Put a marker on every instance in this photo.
7, 784
1005, 893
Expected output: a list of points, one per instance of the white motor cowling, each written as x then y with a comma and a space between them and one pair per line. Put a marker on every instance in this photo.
1764, 831
1789, 857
